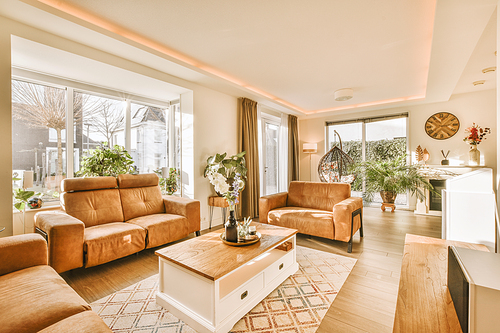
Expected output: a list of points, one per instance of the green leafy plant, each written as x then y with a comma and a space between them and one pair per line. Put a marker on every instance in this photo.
21, 196
227, 167
170, 184
227, 175
105, 161
392, 175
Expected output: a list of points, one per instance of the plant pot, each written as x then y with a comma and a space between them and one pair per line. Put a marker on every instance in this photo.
388, 196
474, 155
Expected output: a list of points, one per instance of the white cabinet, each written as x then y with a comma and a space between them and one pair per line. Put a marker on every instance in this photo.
216, 305
469, 208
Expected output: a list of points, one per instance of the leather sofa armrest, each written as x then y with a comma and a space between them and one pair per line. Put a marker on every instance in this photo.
65, 235
342, 215
270, 202
22, 251
186, 207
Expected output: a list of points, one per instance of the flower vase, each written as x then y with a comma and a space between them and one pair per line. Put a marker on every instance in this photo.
231, 228
474, 155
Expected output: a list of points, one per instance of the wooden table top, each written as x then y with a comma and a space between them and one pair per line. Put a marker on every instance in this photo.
208, 256
424, 302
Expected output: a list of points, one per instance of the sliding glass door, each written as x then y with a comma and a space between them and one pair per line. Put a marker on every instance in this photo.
381, 138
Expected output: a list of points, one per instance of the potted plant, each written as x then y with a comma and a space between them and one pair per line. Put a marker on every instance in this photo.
170, 184
227, 175
105, 161
392, 177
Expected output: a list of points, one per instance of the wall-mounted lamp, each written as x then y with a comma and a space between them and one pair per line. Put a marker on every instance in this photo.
310, 148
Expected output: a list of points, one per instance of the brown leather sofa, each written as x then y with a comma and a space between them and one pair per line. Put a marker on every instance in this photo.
33, 297
106, 218
318, 209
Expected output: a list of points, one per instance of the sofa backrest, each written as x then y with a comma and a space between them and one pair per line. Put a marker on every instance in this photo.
317, 195
140, 195
93, 200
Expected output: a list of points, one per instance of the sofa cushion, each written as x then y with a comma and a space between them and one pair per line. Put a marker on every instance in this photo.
110, 241
162, 228
306, 220
94, 207
34, 298
317, 195
141, 201
83, 322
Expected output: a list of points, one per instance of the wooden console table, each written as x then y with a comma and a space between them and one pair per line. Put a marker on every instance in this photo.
424, 302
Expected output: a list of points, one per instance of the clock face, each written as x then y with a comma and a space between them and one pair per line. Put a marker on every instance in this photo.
442, 125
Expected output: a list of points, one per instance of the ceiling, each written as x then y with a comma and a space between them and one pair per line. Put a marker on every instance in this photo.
290, 54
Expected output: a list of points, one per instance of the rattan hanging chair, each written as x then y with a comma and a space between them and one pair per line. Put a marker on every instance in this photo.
333, 167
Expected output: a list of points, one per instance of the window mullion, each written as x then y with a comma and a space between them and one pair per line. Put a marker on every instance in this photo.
70, 132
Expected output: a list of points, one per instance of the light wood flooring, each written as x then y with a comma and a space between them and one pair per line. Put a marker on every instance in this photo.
367, 300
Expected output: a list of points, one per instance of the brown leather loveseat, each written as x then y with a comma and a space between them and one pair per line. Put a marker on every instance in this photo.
33, 297
318, 209
106, 218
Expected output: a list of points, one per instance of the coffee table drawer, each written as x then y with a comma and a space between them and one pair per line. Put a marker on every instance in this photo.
278, 266
241, 296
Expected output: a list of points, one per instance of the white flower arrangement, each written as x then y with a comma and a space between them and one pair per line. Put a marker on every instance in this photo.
227, 175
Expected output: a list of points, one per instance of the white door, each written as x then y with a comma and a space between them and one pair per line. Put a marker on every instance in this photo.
270, 146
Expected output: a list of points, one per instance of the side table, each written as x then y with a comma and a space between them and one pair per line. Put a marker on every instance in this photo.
216, 201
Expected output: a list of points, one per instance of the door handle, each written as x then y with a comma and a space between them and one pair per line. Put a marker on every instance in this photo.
245, 294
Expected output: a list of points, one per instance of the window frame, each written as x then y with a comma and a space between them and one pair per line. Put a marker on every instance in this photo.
365, 121
71, 87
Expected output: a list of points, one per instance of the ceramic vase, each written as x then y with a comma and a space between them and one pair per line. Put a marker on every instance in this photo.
231, 228
474, 155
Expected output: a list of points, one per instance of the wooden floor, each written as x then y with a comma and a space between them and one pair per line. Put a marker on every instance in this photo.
366, 302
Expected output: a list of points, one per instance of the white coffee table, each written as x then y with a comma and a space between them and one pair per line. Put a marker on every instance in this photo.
210, 285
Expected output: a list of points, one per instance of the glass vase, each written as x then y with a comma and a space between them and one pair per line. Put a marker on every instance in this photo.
231, 228
474, 155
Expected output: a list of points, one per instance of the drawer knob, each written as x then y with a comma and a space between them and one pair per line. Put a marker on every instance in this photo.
281, 266
245, 294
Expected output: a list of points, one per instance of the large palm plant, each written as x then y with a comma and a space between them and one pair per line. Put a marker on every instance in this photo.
391, 177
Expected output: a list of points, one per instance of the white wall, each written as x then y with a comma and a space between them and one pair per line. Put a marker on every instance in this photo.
5, 133
215, 132
478, 107
214, 124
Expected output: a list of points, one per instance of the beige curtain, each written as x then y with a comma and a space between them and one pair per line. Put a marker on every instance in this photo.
293, 148
248, 141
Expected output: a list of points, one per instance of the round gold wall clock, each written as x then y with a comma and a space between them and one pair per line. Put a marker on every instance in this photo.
442, 125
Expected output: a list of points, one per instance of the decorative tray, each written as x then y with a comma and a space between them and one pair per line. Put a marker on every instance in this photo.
241, 242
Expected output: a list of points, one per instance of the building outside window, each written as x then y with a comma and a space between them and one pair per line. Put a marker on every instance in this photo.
39, 132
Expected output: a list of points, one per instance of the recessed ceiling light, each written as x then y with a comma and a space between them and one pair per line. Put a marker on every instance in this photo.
489, 69
478, 83
343, 94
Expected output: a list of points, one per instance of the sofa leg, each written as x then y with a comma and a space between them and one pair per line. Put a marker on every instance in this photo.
361, 225
356, 212
197, 233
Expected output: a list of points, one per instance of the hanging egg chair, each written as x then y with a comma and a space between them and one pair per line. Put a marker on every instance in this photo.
333, 167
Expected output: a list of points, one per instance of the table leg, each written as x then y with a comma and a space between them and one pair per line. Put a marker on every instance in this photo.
211, 214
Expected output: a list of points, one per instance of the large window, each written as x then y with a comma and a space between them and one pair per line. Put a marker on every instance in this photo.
150, 132
380, 138
39, 135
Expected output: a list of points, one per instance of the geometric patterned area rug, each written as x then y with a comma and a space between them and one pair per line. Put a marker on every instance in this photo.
297, 305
